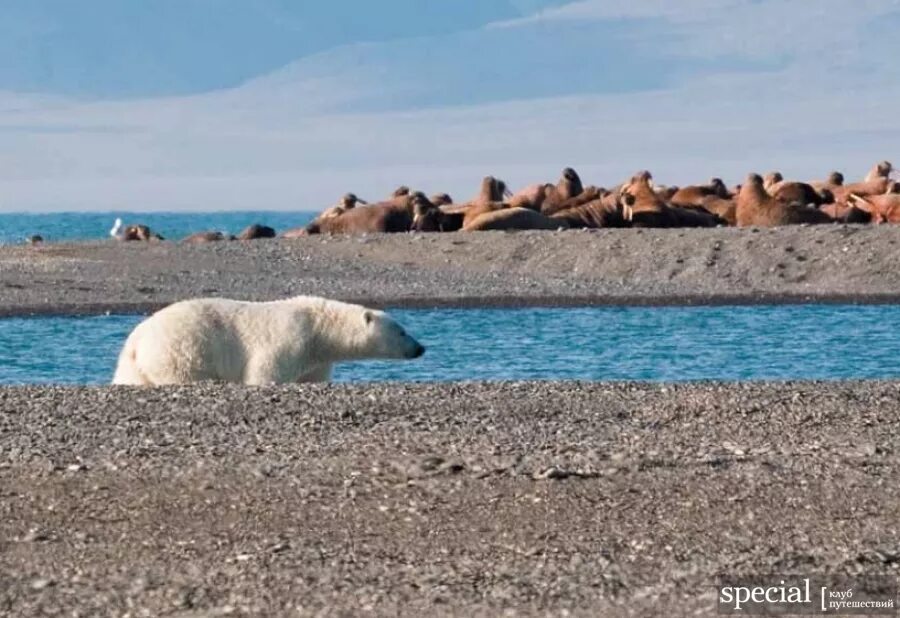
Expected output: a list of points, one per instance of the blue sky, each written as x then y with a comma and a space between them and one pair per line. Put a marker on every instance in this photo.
213, 104
117, 48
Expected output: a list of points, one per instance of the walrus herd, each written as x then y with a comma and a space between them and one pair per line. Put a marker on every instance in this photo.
638, 202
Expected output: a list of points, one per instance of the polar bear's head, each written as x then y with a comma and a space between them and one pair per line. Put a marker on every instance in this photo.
385, 338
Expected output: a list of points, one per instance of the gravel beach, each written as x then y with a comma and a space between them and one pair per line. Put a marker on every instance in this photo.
467, 499
681, 266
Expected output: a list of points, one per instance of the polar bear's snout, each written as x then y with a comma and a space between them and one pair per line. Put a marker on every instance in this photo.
417, 351
411, 348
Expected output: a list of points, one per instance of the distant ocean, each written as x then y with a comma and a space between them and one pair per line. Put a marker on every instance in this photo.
15, 228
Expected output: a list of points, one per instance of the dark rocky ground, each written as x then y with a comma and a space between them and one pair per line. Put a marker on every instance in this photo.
465, 499
821, 263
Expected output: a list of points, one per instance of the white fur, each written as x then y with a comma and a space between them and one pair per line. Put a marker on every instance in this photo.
293, 340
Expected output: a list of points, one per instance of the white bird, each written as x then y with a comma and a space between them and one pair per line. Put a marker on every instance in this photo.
116, 231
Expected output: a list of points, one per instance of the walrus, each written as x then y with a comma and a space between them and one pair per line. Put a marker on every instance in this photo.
490, 197
491, 190
295, 232
514, 219
569, 184
694, 195
879, 170
649, 210
547, 198
35, 239
256, 230
140, 232
595, 214
756, 207
385, 218
791, 191
878, 186
772, 179
441, 199
835, 179
725, 209
665, 192
877, 182
881, 208
428, 217
205, 237
587, 195
532, 197
473, 211
347, 202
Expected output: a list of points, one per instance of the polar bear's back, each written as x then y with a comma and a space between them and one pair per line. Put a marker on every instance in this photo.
188, 341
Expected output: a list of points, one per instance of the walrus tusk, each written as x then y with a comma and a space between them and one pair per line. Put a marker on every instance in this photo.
861, 203
627, 212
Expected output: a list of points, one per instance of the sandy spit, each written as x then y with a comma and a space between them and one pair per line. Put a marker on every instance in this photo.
835, 263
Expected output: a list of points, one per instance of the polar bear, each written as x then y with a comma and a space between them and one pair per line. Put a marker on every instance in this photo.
292, 340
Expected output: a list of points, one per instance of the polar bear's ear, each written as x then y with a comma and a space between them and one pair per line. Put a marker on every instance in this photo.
368, 316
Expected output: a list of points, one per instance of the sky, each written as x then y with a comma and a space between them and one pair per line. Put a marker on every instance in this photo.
277, 104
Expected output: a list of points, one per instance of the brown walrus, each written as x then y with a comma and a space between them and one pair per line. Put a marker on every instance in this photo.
725, 209
880, 208
649, 209
695, 195
205, 237
756, 207
569, 184
835, 179
441, 199
385, 218
140, 232
348, 202
427, 217
879, 170
256, 230
877, 182
492, 190
791, 191
548, 198
490, 197
532, 196
513, 219
595, 214
587, 195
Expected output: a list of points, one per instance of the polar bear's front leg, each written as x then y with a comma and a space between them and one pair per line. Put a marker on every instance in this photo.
264, 370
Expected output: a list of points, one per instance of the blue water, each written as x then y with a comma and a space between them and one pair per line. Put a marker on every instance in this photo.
609, 343
80, 226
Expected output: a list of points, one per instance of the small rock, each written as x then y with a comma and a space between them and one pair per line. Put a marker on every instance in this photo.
35, 536
552, 473
41, 583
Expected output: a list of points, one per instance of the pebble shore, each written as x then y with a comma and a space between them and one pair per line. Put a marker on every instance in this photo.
456, 499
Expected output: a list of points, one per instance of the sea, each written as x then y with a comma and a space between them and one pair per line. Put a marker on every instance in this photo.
784, 342
16, 228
